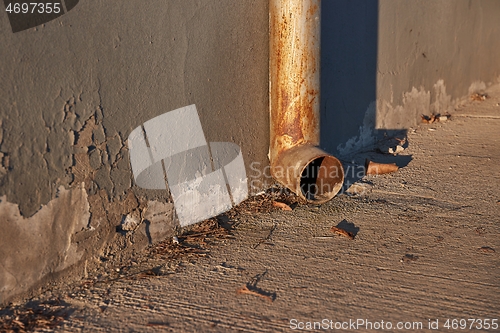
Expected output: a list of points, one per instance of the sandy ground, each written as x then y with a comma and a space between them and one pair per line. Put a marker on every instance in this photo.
426, 247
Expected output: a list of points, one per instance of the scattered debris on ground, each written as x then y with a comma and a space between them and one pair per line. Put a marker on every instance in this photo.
478, 97
428, 119
251, 290
162, 259
193, 241
409, 258
342, 232
282, 205
374, 168
205, 231
393, 146
486, 249
393, 149
196, 240
435, 118
265, 202
165, 257
34, 316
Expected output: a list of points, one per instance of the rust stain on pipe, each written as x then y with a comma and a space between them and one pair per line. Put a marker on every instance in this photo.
296, 162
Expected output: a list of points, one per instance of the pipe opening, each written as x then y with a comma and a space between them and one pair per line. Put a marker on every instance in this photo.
321, 179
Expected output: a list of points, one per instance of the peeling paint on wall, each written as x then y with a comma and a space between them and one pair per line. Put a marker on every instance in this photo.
81, 222
100, 161
415, 103
73, 89
366, 134
383, 115
49, 234
478, 87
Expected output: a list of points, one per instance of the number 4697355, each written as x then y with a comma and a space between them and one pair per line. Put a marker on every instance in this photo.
471, 324
33, 8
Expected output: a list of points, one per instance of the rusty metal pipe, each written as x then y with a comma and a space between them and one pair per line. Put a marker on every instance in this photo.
294, 70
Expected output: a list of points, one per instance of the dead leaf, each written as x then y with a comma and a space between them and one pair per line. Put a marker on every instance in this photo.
478, 97
246, 291
373, 168
429, 119
342, 232
486, 249
281, 205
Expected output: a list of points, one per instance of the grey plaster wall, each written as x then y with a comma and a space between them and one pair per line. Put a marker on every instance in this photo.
386, 62
124, 62
424, 42
71, 91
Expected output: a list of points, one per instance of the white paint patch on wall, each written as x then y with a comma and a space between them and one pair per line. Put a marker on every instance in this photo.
384, 115
478, 87
366, 134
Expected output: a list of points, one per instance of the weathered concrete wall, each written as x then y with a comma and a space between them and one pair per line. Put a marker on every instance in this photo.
440, 48
386, 62
74, 88
124, 64
38, 246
